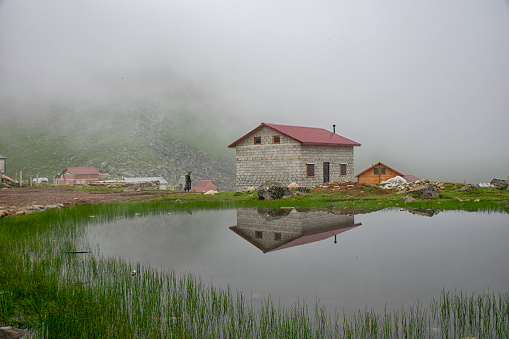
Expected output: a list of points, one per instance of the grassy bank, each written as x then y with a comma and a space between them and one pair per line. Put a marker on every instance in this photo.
50, 284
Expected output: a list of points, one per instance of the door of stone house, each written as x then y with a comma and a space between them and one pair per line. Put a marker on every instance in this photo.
325, 172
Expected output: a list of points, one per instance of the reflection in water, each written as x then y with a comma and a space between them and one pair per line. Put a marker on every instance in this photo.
272, 230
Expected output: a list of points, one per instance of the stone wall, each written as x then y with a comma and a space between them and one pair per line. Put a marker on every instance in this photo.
286, 162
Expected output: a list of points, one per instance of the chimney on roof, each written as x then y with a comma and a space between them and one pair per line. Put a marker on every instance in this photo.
333, 128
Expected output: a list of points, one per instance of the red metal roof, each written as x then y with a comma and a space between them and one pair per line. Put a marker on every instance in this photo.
82, 170
305, 135
205, 183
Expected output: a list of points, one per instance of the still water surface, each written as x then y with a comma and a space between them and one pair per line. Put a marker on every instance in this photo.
388, 258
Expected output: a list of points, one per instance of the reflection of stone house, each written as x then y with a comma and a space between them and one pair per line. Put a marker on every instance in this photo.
305, 155
380, 172
204, 186
288, 228
2, 164
77, 176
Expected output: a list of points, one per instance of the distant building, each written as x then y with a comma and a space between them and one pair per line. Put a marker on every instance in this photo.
77, 176
380, 172
163, 184
307, 156
2, 164
204, 186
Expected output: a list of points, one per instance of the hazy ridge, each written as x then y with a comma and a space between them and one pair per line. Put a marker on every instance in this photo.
160, 135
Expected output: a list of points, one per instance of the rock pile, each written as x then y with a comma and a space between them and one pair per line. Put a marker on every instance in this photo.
4, 212
415, 185
271, 190
127, 185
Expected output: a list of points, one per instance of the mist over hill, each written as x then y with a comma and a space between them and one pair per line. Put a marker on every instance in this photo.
161, 133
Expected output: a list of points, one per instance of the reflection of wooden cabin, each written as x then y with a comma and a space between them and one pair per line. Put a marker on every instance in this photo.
377, 173
289, 228
77, 175
204, 186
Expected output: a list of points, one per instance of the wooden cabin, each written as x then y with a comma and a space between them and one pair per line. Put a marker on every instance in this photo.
377, 173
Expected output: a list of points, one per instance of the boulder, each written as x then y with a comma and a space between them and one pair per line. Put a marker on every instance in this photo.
498, 182
408, 198
506, 186
303, 190
273, 190
425, 191
293, 185
9, 332
469, 188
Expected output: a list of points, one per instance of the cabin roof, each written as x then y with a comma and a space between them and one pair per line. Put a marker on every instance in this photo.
82, 170
377, 165
305, 135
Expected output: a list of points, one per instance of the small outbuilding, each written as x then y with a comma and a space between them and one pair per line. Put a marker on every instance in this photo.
381, 172
204, 186
377, 173
163, 184
77, 176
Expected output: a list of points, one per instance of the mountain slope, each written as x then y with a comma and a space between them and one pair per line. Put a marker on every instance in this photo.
156, 137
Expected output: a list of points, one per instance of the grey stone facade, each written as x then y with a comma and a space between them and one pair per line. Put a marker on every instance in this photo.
287, 161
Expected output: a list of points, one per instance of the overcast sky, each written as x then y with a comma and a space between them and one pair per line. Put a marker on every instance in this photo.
423, 85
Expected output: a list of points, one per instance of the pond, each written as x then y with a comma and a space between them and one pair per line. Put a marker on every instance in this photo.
390, 258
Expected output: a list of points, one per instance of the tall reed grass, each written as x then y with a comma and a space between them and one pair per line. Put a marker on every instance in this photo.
54, 284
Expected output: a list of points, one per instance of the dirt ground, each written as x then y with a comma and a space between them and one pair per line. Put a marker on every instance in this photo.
348, 187
14, 201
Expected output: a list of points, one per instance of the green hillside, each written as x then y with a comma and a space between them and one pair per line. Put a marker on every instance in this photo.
142, 138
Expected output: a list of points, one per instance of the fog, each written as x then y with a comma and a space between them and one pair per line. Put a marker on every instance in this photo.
422, 85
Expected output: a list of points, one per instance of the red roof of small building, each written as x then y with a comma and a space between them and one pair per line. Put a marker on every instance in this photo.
410, 177
204, 186
82, 170
205, 183
305, 135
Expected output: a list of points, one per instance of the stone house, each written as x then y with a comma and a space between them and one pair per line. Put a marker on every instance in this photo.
380, 172
77, 176
307, 156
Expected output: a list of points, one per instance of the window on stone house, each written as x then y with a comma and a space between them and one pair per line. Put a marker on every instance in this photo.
342, 169
277, 236
382, 170
276, 139
258, 234
375, 170
257, 140
310, 170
